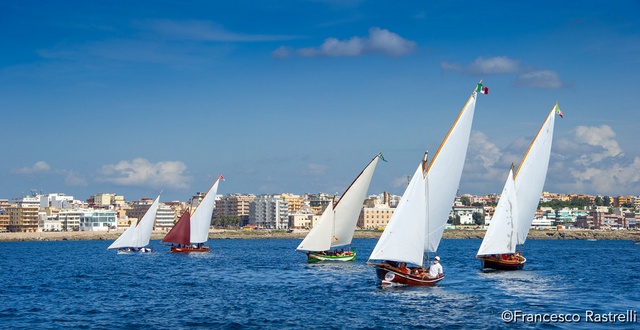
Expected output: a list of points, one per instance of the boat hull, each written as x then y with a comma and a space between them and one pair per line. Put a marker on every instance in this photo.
313, 257
491, 262
134, 250
176, 249
391, 276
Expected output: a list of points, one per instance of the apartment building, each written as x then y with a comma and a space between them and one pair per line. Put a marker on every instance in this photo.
269, 212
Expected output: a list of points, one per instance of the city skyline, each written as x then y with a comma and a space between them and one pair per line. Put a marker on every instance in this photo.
297, 96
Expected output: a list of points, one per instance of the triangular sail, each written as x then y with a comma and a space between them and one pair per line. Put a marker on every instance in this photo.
126, 239
531, 174
319, 237
403, 238
338, 222
139, 233
348, 208
145, 226
201, 217
502, 234
419, 220
181, 231
444, 172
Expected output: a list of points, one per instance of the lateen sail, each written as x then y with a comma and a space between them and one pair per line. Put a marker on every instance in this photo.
338, 222
419, 220
140, 234
319, 237
180, 232
502, 233
531, 174
201, 217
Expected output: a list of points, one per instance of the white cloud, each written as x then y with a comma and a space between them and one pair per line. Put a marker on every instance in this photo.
379, 41
539, 79
142, 173
482, 66
602, 138
525, 77
38, 167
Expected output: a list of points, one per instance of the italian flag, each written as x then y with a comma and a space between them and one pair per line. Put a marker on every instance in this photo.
557, 109
482, 89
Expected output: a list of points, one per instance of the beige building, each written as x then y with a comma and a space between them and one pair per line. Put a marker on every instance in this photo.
23, 218
4, 215
234, 205
296, 202
376, 217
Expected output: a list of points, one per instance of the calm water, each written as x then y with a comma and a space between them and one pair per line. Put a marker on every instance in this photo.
264, 283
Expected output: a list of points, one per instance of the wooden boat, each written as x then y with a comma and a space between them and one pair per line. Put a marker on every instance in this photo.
191, 232
138, 235
418, 222
518, 203
338, 222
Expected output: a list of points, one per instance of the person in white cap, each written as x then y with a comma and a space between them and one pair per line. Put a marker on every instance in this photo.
435, 270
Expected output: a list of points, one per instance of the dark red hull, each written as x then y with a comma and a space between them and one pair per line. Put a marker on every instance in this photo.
391, 276
190, 249
500, 264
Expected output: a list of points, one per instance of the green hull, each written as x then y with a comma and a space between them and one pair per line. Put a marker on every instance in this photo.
314, 257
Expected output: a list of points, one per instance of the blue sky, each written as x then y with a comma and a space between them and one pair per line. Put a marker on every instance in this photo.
297, 96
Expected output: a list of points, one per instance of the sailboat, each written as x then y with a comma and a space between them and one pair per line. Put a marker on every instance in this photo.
192, 229
338, 222
418, 222
518, 203
137, 236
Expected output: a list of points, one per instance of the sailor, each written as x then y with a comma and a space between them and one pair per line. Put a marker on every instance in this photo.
436, 268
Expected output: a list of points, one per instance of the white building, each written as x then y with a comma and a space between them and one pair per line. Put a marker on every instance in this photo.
164, 216
269, 212
98, 220
59, 201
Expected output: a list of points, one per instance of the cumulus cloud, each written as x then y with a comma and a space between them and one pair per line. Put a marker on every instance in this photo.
596, 163
588, 160
525, 77
602, 138
38, 167
142, 173
379, 41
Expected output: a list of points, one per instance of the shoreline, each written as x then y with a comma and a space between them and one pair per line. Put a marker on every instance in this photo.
573, 234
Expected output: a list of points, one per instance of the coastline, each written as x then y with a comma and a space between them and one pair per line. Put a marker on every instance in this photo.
279, 234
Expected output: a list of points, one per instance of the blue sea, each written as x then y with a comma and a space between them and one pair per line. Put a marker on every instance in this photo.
265, 284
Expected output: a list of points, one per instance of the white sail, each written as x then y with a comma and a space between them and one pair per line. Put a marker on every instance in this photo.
444, 172
201, 217
419, 220
126, 239
348, 208
139, 233
337, 224
145, 226
319, 237
502, 233
403, 238
531, 174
